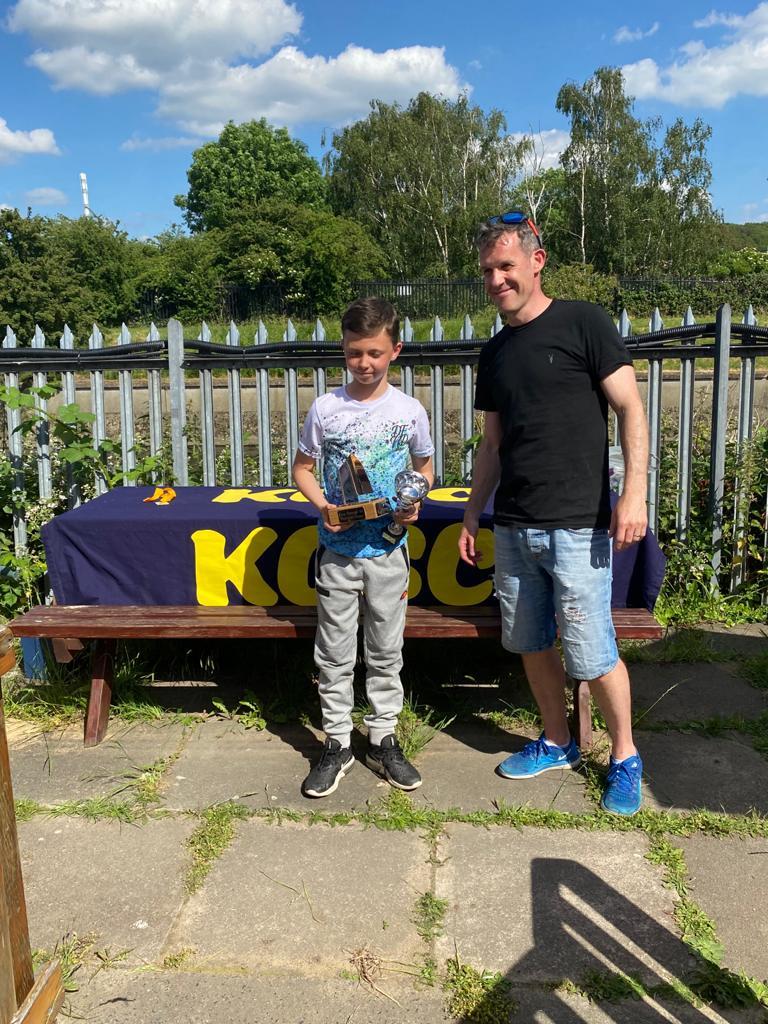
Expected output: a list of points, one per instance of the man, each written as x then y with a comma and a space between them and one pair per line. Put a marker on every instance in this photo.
545, 382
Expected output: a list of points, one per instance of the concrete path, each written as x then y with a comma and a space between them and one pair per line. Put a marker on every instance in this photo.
183, 875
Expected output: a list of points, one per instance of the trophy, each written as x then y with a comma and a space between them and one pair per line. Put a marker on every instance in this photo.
411, 488
356, 491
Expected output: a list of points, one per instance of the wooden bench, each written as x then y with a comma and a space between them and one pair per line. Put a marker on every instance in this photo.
108, 623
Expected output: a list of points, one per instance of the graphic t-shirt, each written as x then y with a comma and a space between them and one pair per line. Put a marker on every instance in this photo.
382, 434
543, 379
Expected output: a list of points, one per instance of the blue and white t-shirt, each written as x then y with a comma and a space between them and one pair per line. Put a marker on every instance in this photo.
382, 434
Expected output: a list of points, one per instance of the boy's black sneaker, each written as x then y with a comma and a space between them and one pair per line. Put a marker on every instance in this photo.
388, 760
333, 765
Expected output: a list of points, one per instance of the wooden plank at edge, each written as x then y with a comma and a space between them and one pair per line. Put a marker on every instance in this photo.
45, 998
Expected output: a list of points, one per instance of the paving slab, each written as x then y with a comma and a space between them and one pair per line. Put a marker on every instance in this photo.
122, 883
535, 1006
688, 771
54, 767
459, 770
539, 905
692, 691
747, 640
290, 896
729, 881
125, 997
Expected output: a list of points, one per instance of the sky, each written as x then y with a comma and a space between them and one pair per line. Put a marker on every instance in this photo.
125, 90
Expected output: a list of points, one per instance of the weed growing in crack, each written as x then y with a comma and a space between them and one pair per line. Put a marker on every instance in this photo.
210, 839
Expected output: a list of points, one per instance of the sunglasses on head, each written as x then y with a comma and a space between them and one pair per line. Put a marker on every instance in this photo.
516, 217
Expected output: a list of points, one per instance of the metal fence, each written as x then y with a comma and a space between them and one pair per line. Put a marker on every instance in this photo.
170, 371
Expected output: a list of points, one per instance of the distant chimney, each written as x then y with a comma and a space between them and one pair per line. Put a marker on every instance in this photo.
84, 190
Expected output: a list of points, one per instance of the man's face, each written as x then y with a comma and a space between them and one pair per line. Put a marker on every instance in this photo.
511, 276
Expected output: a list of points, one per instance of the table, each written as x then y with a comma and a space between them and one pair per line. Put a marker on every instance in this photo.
220, 546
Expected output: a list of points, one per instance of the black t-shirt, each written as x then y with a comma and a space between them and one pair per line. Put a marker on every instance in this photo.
543, 378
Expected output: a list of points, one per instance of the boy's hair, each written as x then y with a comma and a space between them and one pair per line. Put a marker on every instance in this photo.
371, 316
490, 231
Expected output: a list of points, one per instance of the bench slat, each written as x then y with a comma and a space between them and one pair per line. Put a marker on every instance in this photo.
91, 622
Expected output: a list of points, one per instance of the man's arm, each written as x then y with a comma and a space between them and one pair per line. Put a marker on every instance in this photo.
485, 478
629, 520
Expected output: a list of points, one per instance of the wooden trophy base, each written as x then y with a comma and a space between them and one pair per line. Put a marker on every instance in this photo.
356, 511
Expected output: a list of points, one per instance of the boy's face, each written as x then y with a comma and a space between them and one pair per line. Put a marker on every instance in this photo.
368, 356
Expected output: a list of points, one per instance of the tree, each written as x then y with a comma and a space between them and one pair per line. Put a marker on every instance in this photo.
420, 178
609, 155
308, 256
248, 164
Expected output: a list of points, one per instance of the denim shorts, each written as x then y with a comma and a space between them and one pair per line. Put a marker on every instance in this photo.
550, 579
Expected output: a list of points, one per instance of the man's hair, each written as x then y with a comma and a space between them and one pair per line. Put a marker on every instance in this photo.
370, 316
489, 233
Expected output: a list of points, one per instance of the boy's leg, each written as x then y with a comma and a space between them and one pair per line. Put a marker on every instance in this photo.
386, 601
339, 583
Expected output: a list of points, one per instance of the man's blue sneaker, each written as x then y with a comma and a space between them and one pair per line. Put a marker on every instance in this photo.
537, 757
622, 793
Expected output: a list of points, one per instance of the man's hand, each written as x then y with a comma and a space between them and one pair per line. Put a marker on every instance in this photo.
467, 538
629, 521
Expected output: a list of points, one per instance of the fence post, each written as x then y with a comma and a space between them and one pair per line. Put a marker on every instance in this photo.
40, 380
406, 372
685, 433
236, 462
436, 379
178, 402
16, 452
127, 439
746, 413
155, 407
717, 441
99, 428
265, 424
66, 344
654, 427
467, 405
206, 416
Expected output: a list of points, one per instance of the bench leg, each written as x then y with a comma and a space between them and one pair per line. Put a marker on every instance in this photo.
97, 715
582, 714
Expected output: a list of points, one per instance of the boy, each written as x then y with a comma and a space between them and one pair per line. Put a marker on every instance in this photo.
379, 425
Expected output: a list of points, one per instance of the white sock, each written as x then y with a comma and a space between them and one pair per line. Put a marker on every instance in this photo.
555, 746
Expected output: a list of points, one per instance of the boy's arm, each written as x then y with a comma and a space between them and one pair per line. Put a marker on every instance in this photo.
304, 475
422, 464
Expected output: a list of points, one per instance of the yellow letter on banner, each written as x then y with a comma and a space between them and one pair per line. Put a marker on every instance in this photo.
293, 566
234, 494
214, 569
444, 560
417, 545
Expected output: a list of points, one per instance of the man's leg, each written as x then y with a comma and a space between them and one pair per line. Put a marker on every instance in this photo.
612, 693
546, 678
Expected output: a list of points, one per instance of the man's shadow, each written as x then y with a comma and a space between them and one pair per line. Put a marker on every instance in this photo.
584, 930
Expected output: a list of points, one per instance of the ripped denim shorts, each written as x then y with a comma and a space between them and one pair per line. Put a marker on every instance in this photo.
557, 579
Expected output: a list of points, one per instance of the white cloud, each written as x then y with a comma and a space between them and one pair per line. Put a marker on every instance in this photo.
716, 18
291, 87
475, 65
210, 63
710, 76
13, 144
93, 71
5, 206
159, 33
45, 197
547, 145
633, 35
159, 144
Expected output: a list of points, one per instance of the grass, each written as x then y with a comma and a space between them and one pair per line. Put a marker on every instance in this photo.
692, 645
175, 961
429, 916
210, 839
756, 670
74, 952
477, 996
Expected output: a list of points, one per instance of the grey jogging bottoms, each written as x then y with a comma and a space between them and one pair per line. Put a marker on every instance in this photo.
345, 586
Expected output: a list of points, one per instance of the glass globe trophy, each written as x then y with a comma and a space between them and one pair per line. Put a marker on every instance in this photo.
411, 487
